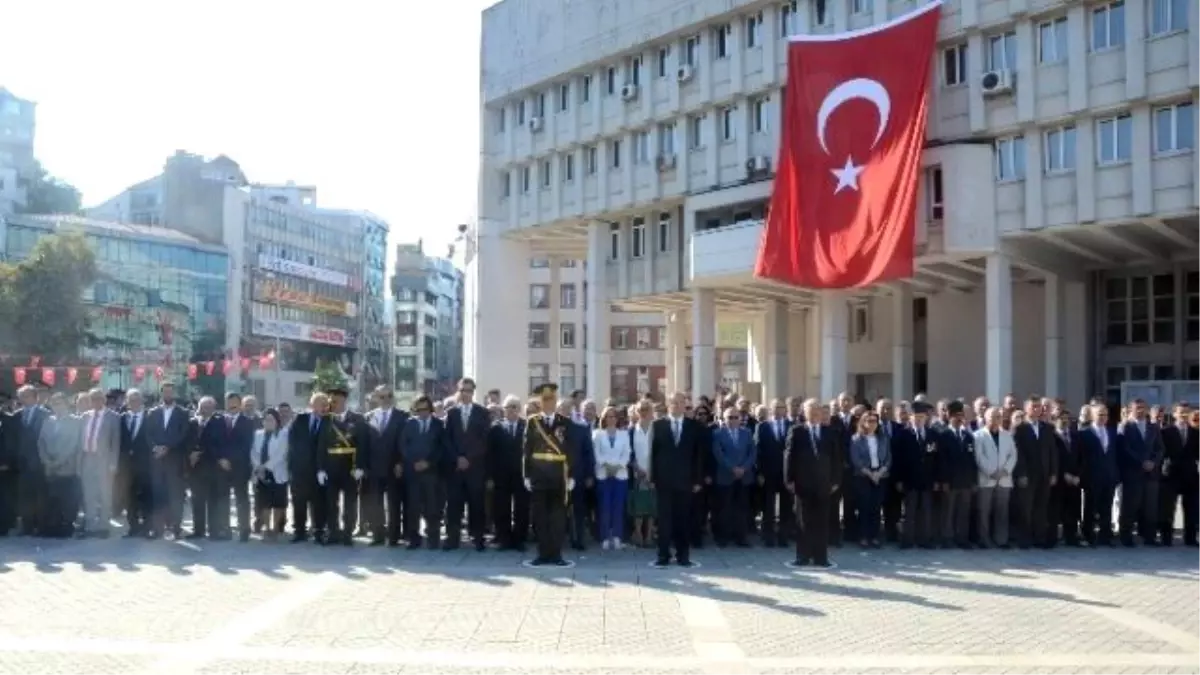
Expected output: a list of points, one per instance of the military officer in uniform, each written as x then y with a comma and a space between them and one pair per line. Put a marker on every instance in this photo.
547, 470
342, 457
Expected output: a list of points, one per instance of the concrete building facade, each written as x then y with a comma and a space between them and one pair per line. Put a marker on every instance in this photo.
18, 126
427, 305
1057, 240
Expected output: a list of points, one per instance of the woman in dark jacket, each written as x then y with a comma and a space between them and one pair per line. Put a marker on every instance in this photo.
871, 460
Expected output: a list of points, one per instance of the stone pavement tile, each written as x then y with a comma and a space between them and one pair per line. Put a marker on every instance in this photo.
34, 663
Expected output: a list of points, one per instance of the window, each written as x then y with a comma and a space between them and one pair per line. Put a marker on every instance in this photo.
664, 232
935, 198
1168, 16
691, 50
567, 336
614, 241
525, 178
820, 15
787, 19
539, 373
1059, 149
505, 185
589, 159
860, 323
1140, 310
1010, 158
1114, 138
610, 81
727, 124
954, 65
539, 336
500, 120
1192, 311
566, 373
754, 31
663, 67
521, 112
539, 104
568, 167
1052, 40
620, 338
567, 296
721, 36
614, 154
1108, 26
641, 147
695, 129
539, 263
1175, 128
544, 174
1002, 52
758, 115
585, 88
666, 139
861, 6
564, 96
660, 338
634, 71
637, 244
644, 338
539, 296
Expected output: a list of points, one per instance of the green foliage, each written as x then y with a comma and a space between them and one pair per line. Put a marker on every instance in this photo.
41, 307
45, 194
328, 376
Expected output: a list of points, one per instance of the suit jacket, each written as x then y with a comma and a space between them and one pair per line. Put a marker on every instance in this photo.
991, 457
1070, 454
582, 452
238, 437
1135, 448
813, 465
956, 457
209, 440
302, 450
428, 446
860, 453
730, 450
916, 463
770, 450
677, 466
174, 432
105, 445
504, 453
1037, 455
471, 441
1101, 466
386, 451
29, 430
10, 438
1183, 453
59, 445
135, 443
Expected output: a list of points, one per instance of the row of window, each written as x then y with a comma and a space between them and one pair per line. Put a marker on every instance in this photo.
1141, 310
539, 373
540, 263
641, 239
539, 296
1174, 131
1108, 31
621, 338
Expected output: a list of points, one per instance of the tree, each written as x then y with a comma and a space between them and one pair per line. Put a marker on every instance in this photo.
41, 299
45, 194
328, 375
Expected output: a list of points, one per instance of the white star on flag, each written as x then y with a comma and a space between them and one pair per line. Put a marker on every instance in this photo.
847, 176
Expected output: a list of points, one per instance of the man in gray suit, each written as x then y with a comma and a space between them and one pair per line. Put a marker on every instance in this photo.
98, 463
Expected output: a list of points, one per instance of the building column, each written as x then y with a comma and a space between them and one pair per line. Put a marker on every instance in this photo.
835, 320
998, 307
1054, 336
704, 338
902, 343
599, 362
555, 298
797, 346
756, 350
496, 320
676, 355
778, 366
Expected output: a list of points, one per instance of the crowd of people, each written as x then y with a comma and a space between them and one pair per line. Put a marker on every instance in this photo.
673, 474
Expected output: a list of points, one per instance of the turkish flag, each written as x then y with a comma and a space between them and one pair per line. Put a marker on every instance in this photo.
191, 371
245, 364
72, 374
48, 376
19, 376
139, 373
844, 202
208, 367
97, 373
226, 366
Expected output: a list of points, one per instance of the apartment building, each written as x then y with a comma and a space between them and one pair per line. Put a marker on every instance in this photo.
1057, 243
427, 304
18, 124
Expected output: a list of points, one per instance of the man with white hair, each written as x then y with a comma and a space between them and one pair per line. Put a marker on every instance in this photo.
98, 463
510, 499
135, 454
31, 478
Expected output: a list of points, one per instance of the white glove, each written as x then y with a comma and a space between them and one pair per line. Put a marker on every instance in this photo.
358, 474
528, 485
322, 478
570, 484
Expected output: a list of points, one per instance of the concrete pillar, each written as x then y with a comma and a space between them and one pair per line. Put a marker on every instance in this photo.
797, 347
1054, 336
756, 350
835, 320
902, 343
998, 308
496, 320
1075, 333
599, 361
676, 355
555, 294
778, 366
704, 337
812, 327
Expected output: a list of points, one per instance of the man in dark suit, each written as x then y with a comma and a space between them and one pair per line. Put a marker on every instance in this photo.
168, 433
233, 470
467, 428
510, 499
958, 476
136, 457
308, 496
893, 499
1140, 452
207, 450
1180, 481
1101, 475
423, 443
733, 453
9, 463
579, 447
676, 471
1036, 474
916, 467
384, 471
770, 436
1067, 497
31, 477
843, 520
813, 467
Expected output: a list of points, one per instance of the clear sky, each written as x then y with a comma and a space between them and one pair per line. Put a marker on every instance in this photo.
376, 102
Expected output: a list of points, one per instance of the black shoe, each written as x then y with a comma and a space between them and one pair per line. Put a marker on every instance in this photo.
1192, 542
133, 533
152, 535
578, 546
662, 563
768, 542
538, 562
347, 541
244, 536
905, 547
518, 547
193, 536
414, 545
824, 564
559, 562
686, 564
479, 545
377, 541
222, 536
393, 543
801, 562
450, 545
299, 537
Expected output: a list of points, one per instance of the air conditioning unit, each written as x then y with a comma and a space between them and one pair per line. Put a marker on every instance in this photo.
685, 73
758, 164
536, 124
997, 82
665, 163
629, 92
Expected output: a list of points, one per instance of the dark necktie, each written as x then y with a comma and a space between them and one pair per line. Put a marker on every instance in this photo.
263, 454
314, 425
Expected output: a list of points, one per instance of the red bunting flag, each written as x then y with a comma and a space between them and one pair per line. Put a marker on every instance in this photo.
159, 373
245, 364
191, 371
72, 374
19, 376
264, 361
209, 367
843, 206
139, 373
48, 376
226, 366
97, 373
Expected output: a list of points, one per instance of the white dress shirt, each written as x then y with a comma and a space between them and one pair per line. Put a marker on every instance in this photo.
873, 449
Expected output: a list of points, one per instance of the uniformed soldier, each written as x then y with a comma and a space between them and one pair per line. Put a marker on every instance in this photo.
547, 471
341, 460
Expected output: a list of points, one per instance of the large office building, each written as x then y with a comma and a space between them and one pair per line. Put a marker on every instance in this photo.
309, 280
160, 302
427, 306
17, 129
1056, 243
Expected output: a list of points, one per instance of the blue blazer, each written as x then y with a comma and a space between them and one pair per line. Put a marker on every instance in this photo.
1100, 468
769, 458
582, 453
733, 449
1134, 448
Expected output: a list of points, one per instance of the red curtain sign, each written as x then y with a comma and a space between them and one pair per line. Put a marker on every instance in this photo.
843, 206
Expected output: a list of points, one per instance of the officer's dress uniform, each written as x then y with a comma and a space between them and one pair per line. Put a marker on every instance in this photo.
547, 468
341, 452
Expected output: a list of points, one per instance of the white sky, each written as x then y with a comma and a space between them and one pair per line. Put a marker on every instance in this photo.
375, 102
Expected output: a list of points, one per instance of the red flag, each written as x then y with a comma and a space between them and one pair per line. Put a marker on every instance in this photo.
264, 361
72, 375
192, 371
139, 373
245, 364
97, 373
226, 366
19, 376
845, 196
48, 376
159, 373
208, 367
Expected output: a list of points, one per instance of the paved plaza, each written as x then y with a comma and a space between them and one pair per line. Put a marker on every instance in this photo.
223, 607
